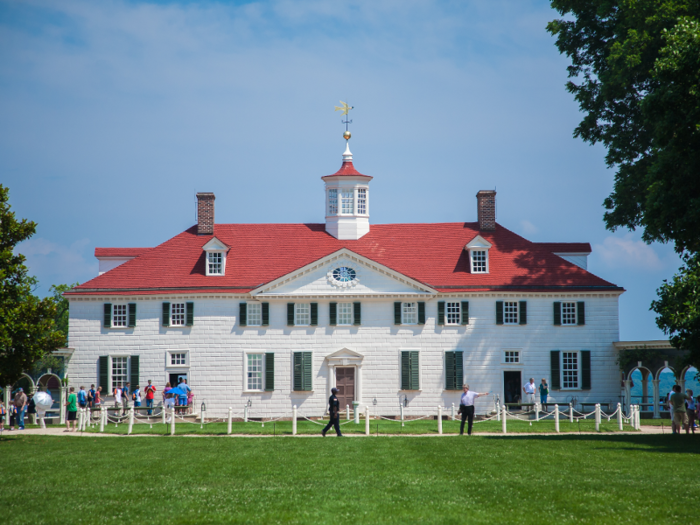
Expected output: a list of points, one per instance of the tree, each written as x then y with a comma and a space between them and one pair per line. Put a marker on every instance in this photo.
635, 70
61, 319
26, 323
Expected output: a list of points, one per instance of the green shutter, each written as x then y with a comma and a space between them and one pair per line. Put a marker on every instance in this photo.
307, 371
290, 314
166, 314
269, 372
499, 312
421, 312
298, 369
132, 315
555, 369
266, 314
397, 312
314, 314
581, 313
459, 369
557, 313
333, 313
104, 374
243, 314
414, 370
357, 314
134, 372
450, 371
405, 370
189, 314
522, 313
585, 369
441, 313
107, 321
465, 316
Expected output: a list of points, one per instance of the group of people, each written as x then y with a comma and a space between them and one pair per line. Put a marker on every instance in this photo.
19, 406
684, 410
530, 390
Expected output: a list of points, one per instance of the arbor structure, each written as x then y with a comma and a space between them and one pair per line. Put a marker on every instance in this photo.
27, 327
635, 70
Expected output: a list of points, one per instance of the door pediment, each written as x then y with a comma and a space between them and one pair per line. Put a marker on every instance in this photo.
345, 357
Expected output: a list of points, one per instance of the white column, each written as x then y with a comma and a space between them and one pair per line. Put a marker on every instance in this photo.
230, 420
657, 395
294, 420
504, 417
172, 421
597, 417
556, 418
619, 416
367, 420
131, 419
63, 397
440, 420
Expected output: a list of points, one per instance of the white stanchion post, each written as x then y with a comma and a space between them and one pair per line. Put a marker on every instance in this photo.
440, 420
597, 417
201, 419
619, 416
131, 420
401, 407
503, 418
571, 413
172, 421
498, 410
367, 421
245, 414
103, 413
556, 418
230, 420
637, 417
537, 411
294, 420
453, 412
89, 414
347, 412
356, 412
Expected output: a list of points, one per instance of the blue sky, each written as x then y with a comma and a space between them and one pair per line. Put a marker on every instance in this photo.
114, 113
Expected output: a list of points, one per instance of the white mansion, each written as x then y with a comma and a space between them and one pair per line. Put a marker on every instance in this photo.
278, 314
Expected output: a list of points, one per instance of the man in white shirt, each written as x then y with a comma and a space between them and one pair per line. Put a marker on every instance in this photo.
466, 409
530, 390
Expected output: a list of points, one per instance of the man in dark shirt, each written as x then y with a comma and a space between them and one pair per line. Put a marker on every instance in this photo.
334, 411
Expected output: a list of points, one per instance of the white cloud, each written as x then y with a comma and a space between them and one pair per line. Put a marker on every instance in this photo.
627, 252
54, 263
528, 228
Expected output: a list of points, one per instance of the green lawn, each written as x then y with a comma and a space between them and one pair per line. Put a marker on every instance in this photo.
376, 426
605, 478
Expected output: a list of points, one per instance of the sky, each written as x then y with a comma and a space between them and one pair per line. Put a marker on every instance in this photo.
113, 114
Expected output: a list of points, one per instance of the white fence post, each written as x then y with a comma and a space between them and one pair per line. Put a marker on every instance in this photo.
103, 417
245, 414
503, 418
294, 420
597, 417
131, 420
367, 421
162, 412
571, 413
498, 410
230, 420
440, 420
619, 416
89, 414
172, 421
453, 412
401, 407
201, 419
537, 411
347, 412
356, 412
556, 417
637, 417
80, 419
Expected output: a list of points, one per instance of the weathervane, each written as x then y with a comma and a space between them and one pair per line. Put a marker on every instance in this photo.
344, 108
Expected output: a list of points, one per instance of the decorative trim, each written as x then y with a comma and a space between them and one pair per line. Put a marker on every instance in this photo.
339, 284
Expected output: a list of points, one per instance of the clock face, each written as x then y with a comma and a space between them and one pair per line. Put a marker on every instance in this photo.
344, 274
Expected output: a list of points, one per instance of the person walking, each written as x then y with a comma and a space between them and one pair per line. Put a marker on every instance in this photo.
72, 410
118, 400
466, 408
334, 412
529, 390
680, 418
20, 404
544, 391
150, 392
125, 396
691, 408
91, 396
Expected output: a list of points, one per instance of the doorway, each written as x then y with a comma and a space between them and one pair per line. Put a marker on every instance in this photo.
345, 383
512, 382
175, 378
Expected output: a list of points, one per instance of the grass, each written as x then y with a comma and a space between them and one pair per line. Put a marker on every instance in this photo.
605, 478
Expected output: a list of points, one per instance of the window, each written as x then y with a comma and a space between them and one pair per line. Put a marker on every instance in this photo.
410, 371
347, 199
119, 372
303, 371
177, 314
511, 357
362, 201
453, 313
409, 313
119, 313
332, 202
479, 261
345, 314
254, 314
215, 263
454, 370
510, 312
178, 359
302, 314
569, 370
255, 371
568, 313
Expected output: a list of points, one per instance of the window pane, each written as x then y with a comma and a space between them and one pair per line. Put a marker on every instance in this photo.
346, 199
510, 312
344, 313
254, 314
302, 314
409, 313
512, 357
255, 371
453, 311
178, 359
362, 201
478, 261
215, 262
568, 313
177, 314
119, 372
569, 369
119, 315
332, 202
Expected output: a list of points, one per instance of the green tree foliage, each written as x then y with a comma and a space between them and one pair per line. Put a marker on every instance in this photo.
635, 70
61, 319
27, 330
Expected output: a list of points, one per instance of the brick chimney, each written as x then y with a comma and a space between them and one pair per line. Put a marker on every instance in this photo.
486, 206
205, 213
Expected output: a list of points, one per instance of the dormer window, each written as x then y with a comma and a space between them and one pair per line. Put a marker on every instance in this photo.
215, 260
478, 254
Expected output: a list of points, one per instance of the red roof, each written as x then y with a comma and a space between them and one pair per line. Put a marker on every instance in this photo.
347, 170
119, 252
432, 254
566, 247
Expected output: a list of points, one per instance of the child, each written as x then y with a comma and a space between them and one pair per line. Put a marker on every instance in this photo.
91, 396
136, 396
190, 399
97, 400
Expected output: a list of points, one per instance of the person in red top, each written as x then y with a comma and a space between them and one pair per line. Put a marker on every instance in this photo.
150, 391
